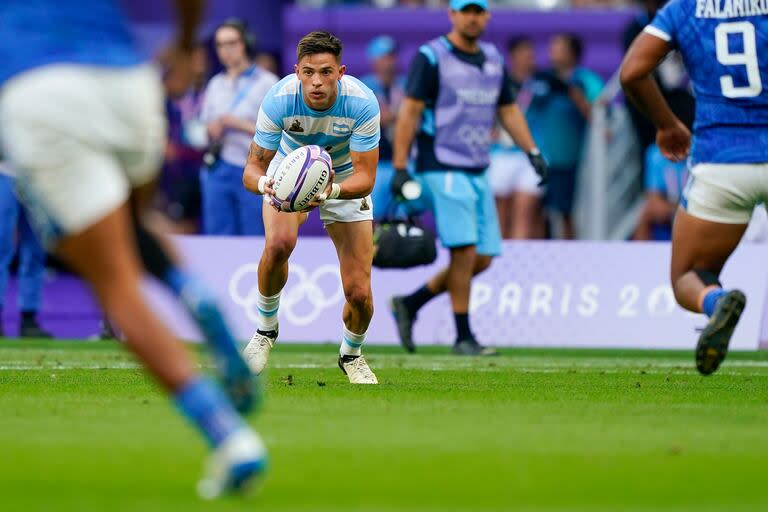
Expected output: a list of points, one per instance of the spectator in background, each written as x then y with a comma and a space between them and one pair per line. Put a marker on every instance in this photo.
15, 231
230, 108
514, 181
558, 114
179, 192
670, 76
268, 62
389, 88
664, 182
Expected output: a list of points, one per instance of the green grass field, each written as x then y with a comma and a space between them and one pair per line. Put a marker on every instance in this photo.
82, 428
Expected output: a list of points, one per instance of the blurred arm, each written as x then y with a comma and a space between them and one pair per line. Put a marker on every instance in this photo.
580, 100
407, 124
189, 16
513, 121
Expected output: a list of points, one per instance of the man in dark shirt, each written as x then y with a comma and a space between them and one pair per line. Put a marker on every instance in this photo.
456, 89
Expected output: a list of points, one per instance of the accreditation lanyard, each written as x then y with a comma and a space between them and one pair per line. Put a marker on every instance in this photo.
249, 74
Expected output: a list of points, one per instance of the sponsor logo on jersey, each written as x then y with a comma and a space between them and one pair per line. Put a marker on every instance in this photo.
296, 126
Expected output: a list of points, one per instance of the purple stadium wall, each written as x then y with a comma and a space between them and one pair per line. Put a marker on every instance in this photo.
601, 31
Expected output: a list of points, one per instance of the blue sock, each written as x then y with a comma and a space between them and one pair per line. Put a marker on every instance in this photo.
710, 300
176, 279
192, 292
209, 409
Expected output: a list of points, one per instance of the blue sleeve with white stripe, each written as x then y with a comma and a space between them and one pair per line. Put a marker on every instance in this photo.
667, 21
366, 131
269, 129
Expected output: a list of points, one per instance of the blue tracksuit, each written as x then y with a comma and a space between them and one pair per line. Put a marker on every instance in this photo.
31, 254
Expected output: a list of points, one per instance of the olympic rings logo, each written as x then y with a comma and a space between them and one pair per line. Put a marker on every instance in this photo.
475, 138
306, 289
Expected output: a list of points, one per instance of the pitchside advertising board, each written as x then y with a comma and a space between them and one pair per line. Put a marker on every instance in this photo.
565, 294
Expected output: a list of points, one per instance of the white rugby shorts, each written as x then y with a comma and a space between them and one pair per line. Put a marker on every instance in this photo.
81, 137
337, 210
725, 193
510, 172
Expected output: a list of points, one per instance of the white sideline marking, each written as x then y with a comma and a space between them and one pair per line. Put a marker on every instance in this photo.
610, 366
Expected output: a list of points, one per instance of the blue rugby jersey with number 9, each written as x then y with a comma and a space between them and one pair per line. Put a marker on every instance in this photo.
724, 44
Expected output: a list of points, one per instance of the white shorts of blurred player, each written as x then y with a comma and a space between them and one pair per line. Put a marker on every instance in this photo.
757, 231
510, 172
81, 137
725, 193
337, 210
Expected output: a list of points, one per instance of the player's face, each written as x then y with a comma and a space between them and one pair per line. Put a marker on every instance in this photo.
230, 47
319, 75
470, 22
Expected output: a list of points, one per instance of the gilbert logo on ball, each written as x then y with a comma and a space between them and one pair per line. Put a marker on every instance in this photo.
303, 174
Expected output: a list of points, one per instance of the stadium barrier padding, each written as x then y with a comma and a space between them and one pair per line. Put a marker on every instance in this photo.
539, 293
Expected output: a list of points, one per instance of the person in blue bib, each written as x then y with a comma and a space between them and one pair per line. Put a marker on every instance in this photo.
83, 126
457, 88
723, 44
318, 104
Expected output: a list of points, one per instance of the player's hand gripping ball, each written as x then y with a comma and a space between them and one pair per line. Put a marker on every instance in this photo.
301, 176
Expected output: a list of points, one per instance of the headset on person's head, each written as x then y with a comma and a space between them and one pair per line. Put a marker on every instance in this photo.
248, 38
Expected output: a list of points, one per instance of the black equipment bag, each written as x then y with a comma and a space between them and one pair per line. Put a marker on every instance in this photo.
402, 243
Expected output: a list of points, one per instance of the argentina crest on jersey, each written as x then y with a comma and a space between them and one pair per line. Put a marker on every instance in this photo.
339, 128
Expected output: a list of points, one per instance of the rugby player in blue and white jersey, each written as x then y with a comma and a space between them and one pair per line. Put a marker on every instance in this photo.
319, 105
723, 44
83, 124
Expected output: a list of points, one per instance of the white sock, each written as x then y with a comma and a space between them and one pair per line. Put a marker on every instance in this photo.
352, 343
268, 307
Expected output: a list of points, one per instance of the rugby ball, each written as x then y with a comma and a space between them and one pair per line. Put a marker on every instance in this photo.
303, 174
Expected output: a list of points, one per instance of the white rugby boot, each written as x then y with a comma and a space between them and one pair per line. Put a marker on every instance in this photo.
357, 369
235, 466
257, 351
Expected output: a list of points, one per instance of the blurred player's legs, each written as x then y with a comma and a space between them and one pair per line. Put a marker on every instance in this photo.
81, 138
160, 259
717, 205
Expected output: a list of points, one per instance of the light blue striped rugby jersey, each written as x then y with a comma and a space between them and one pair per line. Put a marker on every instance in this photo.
286, 123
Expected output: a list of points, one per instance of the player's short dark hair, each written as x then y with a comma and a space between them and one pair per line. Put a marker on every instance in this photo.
319, 42
516, 42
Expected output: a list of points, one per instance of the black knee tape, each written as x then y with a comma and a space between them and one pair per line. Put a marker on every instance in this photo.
153, 256
708, 278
